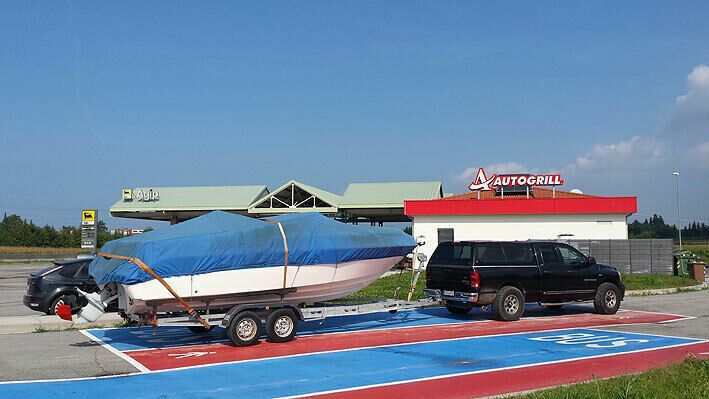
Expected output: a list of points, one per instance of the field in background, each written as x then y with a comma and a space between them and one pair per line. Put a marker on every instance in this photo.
700, 249
40, 251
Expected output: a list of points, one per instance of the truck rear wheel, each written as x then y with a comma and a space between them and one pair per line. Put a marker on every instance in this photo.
508, 304
607, 299
244, 329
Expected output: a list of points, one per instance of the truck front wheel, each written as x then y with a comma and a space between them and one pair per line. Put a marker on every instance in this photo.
607, 299
508, 304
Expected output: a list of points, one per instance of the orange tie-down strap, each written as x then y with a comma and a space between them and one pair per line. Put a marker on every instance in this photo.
193, 313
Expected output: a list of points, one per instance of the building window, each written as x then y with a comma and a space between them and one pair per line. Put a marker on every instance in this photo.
445, 235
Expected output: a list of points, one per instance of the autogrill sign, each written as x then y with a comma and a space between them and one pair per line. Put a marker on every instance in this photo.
482, 182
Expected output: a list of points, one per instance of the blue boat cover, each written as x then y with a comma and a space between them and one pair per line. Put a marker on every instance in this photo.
221, 241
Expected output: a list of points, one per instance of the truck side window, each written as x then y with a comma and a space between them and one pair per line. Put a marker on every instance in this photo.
452, 253
489, 254
549, 254
571, 256
519, 254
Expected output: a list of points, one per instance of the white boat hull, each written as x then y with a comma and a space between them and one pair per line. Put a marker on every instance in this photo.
311, 283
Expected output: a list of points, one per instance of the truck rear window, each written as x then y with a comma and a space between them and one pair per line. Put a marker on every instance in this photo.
504, 254
452, 253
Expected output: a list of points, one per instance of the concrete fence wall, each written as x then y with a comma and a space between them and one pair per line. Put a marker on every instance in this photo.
643, 256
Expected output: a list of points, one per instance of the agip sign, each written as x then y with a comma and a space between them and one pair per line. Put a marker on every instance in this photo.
482, 182
141, 194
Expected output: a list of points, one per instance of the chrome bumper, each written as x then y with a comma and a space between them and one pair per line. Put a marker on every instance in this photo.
456, 296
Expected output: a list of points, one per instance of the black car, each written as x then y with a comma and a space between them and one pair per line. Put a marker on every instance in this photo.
58, 284
507, 275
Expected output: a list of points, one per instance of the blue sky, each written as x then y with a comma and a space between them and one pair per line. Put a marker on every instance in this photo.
98, 96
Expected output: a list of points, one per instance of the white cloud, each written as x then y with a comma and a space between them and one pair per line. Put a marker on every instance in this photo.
638, 154
700, 154
688, 122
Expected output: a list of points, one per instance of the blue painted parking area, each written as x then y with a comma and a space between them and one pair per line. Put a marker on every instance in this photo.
309, 374
128, 339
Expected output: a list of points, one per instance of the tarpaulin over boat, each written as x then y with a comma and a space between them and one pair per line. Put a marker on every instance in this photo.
221, 241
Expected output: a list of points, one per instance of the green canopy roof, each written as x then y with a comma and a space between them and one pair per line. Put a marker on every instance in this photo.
377, 195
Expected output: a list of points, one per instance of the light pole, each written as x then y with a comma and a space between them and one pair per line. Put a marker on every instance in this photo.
679, 214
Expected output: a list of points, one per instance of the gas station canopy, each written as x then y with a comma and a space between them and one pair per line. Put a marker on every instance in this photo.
361, 202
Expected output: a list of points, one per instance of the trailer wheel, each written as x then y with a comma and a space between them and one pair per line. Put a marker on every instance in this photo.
281, 325
508, 304
244, 329
200, 329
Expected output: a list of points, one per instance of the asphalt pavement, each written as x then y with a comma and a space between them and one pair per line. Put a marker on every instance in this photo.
13, 285
70, 354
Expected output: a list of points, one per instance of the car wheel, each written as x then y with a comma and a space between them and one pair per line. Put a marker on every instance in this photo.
607, 300
281, 325
508, 304
245, 329
458, 310
62, 300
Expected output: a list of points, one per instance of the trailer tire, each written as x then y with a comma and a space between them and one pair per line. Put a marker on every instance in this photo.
281, 325
508, 304
200, 329
245, 329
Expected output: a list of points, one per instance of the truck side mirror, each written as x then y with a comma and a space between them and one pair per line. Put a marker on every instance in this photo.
591, 261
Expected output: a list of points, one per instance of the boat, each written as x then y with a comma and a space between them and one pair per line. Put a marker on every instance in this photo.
220, 260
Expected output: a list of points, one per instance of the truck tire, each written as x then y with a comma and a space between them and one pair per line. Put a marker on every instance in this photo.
458, 310
244, 329
508, 304
607, 300
281, 325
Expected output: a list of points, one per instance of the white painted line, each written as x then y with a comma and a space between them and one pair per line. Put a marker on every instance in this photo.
477, 372
115, 351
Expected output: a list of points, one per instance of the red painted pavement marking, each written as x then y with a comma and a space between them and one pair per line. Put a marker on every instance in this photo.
193, 355
508, 381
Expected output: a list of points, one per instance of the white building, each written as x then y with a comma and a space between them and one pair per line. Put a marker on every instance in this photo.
540, 213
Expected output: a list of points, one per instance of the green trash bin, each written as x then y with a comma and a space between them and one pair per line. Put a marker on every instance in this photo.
683, 261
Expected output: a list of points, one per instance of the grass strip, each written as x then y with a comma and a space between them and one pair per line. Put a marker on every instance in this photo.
689, 379
655, 281
385, 287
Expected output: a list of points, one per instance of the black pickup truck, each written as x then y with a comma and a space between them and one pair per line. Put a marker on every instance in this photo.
507, 275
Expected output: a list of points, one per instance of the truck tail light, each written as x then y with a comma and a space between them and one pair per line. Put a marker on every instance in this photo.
474, 279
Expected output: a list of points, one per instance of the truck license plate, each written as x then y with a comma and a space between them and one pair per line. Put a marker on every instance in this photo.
448, 293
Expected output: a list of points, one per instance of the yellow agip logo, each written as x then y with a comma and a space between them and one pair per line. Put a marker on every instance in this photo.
88, 215
127, 194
